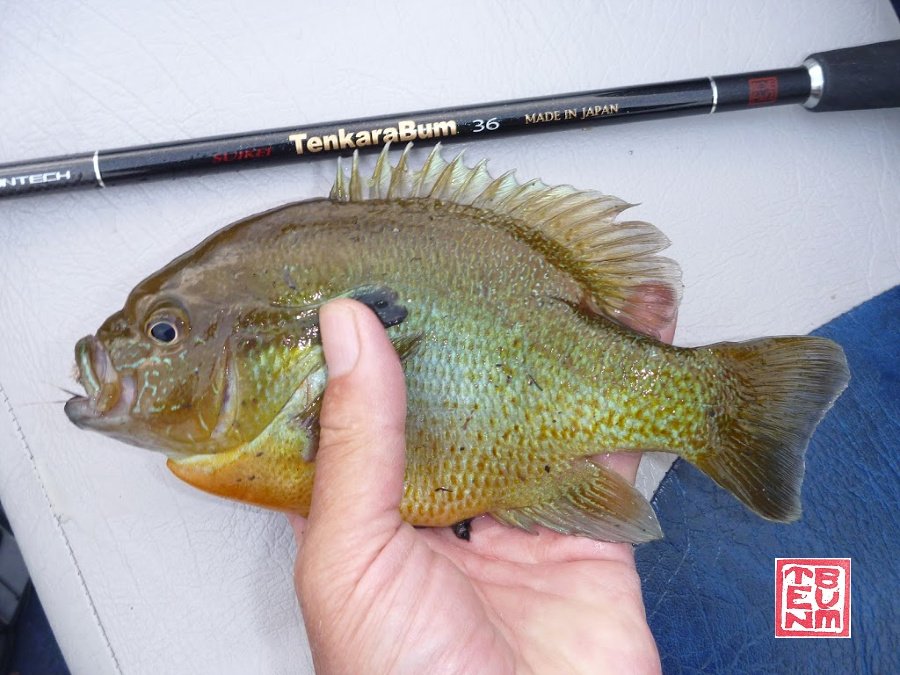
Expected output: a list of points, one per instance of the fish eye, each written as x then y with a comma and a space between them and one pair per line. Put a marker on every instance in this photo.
163, 331
167, 326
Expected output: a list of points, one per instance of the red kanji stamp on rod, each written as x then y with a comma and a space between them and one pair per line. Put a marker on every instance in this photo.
762, 90
812, 597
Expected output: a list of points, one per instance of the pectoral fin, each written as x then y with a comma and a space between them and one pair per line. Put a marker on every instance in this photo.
406, 345
594, 502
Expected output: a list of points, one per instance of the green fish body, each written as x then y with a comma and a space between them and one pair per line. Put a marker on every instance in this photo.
527, 319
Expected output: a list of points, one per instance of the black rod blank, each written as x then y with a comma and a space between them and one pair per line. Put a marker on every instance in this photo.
843, 79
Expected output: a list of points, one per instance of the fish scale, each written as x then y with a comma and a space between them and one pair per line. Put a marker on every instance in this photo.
554, 424
527, 320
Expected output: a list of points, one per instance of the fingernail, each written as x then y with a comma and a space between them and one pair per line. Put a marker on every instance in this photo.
340, 341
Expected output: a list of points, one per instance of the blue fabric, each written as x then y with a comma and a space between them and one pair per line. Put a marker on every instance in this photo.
709, 585
36, 651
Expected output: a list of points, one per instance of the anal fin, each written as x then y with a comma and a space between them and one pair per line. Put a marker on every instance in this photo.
595, 502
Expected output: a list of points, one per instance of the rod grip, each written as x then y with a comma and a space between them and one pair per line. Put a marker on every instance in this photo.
856, 78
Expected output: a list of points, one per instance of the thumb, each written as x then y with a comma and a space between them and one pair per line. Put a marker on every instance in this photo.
361, 456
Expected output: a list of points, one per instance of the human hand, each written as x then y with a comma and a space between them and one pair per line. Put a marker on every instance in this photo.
379, 596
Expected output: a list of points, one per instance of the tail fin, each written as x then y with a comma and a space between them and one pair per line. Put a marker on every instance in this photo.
782, 388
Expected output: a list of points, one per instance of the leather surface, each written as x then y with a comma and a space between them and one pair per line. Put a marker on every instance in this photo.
780, 219
709, 586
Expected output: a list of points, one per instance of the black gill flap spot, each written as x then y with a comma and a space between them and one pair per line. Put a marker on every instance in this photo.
383, 301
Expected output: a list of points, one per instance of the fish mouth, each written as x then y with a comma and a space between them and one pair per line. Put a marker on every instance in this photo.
109, 395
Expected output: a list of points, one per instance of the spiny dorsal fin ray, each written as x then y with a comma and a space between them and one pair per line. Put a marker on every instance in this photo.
615, 262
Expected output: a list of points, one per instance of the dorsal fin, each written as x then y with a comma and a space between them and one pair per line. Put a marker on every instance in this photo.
615, 262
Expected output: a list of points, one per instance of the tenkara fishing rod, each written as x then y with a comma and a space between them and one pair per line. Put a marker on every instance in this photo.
843, 79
